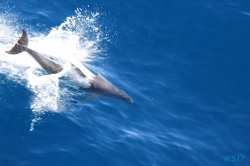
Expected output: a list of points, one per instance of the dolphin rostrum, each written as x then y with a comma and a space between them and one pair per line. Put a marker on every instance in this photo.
91, 83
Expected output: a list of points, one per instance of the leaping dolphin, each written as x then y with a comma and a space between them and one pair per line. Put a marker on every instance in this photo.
95, 83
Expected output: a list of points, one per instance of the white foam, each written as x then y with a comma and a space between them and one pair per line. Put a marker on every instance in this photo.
45, 88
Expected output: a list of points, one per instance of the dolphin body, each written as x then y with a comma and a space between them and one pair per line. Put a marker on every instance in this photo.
95, 84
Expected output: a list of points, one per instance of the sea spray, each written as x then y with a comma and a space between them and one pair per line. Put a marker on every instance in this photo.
78, 39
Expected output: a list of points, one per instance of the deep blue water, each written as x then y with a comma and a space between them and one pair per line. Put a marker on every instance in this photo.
186, 65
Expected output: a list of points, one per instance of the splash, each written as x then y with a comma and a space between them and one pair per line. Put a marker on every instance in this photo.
78, 39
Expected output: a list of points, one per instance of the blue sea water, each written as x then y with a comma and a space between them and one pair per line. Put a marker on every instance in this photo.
185, 63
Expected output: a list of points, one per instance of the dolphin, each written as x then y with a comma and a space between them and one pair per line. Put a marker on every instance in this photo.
96, 84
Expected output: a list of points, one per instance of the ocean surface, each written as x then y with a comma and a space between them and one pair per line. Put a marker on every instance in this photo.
185, 63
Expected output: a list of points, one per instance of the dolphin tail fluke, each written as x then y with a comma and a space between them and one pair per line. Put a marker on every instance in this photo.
24, 39
18, 48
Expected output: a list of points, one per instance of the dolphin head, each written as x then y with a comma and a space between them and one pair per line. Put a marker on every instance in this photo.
119, 94
102, 86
